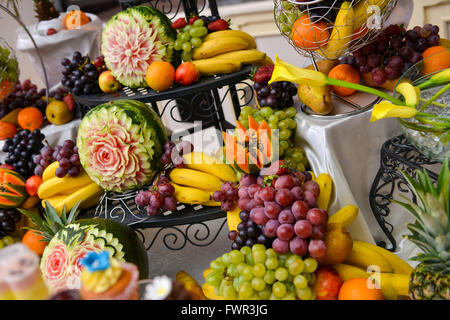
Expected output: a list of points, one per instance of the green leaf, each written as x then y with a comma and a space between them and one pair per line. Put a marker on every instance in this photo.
73, 213
52, 214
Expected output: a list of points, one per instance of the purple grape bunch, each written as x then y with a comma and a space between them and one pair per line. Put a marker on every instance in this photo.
160, 196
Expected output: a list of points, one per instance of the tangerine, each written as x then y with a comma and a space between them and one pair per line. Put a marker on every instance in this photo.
75, 19
7, 130
30, 118
357, 289
309, 35
436, 58
346, 73
160, 75
34, 242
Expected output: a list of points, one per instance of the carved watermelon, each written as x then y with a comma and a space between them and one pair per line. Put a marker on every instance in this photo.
60, 263
120, 144
12, 189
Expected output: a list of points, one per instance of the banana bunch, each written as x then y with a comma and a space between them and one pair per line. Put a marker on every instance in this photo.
200, 177
326, 186
68, 191
225, 51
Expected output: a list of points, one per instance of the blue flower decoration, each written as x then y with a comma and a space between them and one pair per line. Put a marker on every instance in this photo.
96, 261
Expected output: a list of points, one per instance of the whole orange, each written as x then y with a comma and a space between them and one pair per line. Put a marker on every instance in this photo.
160, 75
357, 289
309, 35
436, 58
346, 73
34, 242
7, 130
30, 118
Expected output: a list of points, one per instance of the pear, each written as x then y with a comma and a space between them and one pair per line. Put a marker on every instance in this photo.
324, 66
317, 98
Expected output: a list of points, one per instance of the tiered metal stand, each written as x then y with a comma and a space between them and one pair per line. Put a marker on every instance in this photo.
200, 101
396, 154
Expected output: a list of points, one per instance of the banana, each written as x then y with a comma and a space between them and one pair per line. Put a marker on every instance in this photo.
348, 272
203, 162
363, 257
69, 191
213, 66
313, 176
410, 93
195, 179
233, 218
55, 200
247, 56
342, 32
345, 216
190, 195
84, 193
266, 62
211, 203
217, 46
232, 33
393, 285
57, 185
49, 172
326, 186
91, 202
398, 265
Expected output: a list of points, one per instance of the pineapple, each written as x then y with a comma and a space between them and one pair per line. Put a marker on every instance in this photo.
45, 10
431, 233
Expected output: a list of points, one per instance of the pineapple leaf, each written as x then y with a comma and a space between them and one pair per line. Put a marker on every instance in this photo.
425, 247
443, 186
432, 224
52, 214
409, 206
42, 226
413, 184
426, 238
73, 213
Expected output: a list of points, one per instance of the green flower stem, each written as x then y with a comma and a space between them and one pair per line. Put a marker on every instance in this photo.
436, 95
434, 103
436, 124
420, 128
359, 87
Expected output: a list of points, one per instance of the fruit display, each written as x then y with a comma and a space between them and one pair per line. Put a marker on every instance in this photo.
260, 273
148, 32
127, 123
71, 239
20, 150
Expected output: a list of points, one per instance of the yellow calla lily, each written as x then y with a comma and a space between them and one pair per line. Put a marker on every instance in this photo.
284, 71
385, 109
410, 93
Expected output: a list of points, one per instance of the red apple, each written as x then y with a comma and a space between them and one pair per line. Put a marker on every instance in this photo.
187, 73
107, 82
328, 283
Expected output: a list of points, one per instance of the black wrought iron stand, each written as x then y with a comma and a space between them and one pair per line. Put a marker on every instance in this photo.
396, 154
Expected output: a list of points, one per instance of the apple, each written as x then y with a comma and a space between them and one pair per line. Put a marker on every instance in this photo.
107, 82
70, 103
186, 73
328, 283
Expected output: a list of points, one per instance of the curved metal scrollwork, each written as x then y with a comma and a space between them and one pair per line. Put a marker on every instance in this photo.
396, 154
171, 8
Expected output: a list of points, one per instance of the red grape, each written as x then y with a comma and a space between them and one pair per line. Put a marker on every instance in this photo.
242, 192
75, 160
247, 180
312, 186
395, 62
260, 180
232, 235
185, 147
69, 144
318, 232
415, 57
227, 205
60, 172
226, 185
166, 189
303, 229
258, 216
299, 209
280, 246
73, 171
315, 216
374, 60
361, 60
406, 52
257, 198
232, 194
270, 228
378, 76
284, 182
63, 163
242, 203
286, 216
156, 200
170, 203
297, 193
250, 205
252, 189
365, 68
272, 209
285, 232
298, 246
317, 249
391, 73
178, 162
152, 211
267, 193
284, 197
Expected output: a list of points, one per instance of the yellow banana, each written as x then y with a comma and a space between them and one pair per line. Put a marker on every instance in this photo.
57, 185
211, 203
266, 62
313, 176
91, 202
248, 56
363, 257
233, 218
203, 162
326, 186
213, 66
84, 193
361, 14
232, 33
69, 191
342, 32
347, 271
49, 172
55, 200
393, 285
190, 195
398, 265
215, 47
345, 216
196, 179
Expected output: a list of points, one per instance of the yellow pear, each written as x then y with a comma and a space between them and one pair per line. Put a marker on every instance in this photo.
58, 113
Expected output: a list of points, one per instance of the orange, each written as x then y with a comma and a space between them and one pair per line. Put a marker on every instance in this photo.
7, 130
356, 289
308, 35
346, 73
436, 58
33, 241
75, 19
160, 75
30, 118
32, 185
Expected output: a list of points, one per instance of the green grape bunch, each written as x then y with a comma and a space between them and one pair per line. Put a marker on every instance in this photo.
9, 67
190, 37
258, 273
